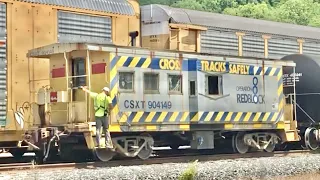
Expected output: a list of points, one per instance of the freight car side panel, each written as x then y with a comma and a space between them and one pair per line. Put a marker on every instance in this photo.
146, 94
237, 92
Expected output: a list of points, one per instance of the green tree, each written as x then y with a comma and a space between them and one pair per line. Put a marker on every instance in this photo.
257, 11
315, 21
217, 5
303, 12
295, 11
189, 4
163, 2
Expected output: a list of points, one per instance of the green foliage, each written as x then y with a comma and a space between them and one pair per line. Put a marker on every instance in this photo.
303, 12
258, 11
190, 173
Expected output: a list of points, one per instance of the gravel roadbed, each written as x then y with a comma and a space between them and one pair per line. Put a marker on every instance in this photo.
255, 168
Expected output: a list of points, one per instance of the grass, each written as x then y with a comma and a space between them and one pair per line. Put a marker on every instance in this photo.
190, 173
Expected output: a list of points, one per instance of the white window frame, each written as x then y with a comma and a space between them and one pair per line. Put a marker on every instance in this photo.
158, 84
133, 81
220, 85
181, 85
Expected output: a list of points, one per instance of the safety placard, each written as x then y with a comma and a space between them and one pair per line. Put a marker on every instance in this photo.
53, 96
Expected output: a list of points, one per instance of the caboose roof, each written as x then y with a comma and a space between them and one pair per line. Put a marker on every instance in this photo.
60, 48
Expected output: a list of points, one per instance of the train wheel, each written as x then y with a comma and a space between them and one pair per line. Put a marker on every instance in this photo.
310, 139
17, 153
270, 148
272, 142
239, 144
104, 154
147, 150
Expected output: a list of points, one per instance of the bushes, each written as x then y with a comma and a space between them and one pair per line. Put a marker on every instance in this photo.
190, 173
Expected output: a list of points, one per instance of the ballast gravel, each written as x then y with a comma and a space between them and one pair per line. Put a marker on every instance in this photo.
255, 168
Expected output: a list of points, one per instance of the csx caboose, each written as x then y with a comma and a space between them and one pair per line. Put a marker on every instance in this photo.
161, 98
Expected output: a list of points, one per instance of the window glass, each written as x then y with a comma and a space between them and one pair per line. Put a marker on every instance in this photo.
78, 69
151, 82
192, 88
214, 85
175, 83
126, 80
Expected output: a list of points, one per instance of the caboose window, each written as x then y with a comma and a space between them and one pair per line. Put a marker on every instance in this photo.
126, 81
151, 83
192, 88
175, 83
79, 72
214, 85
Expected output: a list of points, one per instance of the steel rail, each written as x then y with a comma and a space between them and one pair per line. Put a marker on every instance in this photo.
154, 160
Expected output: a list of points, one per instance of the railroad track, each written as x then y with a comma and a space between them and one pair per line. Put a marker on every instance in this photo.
154, 160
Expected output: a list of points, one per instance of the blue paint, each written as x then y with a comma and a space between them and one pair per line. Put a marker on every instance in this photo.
268, 71
114, 62
127, 62
204, 115
259, 71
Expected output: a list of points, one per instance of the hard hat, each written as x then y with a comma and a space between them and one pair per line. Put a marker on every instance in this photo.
106, 89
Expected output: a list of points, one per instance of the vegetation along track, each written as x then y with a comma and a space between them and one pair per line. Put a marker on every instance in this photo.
154, 160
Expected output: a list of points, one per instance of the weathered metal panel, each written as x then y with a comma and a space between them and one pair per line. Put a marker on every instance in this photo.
83, 28
311, 48
111, 6
253, 46
280, 47
185, 16
3, 66
216, 41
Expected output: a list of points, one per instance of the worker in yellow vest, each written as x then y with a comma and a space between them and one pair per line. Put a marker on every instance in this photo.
102, 107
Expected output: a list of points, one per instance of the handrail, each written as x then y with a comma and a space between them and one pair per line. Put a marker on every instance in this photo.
294, 101
89, 83
78, 76
67, 81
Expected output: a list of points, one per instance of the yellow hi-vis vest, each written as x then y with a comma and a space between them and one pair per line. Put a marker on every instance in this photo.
101, 104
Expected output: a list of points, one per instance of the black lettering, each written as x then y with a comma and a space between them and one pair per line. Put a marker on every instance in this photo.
126, 105
243, 98
238, 98
131, 104
249, 98
261, 99
137, 105
143, 102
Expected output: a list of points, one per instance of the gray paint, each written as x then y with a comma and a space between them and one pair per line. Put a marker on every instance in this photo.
184, 102
280, 47
253, 46
219, 42
220, 37
3, 66
228, 102
111, 6
179, 102
153, 13
83, 28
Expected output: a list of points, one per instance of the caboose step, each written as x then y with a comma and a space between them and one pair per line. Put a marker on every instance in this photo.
292, 135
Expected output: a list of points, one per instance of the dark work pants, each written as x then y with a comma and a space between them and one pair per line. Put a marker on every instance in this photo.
101, 122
